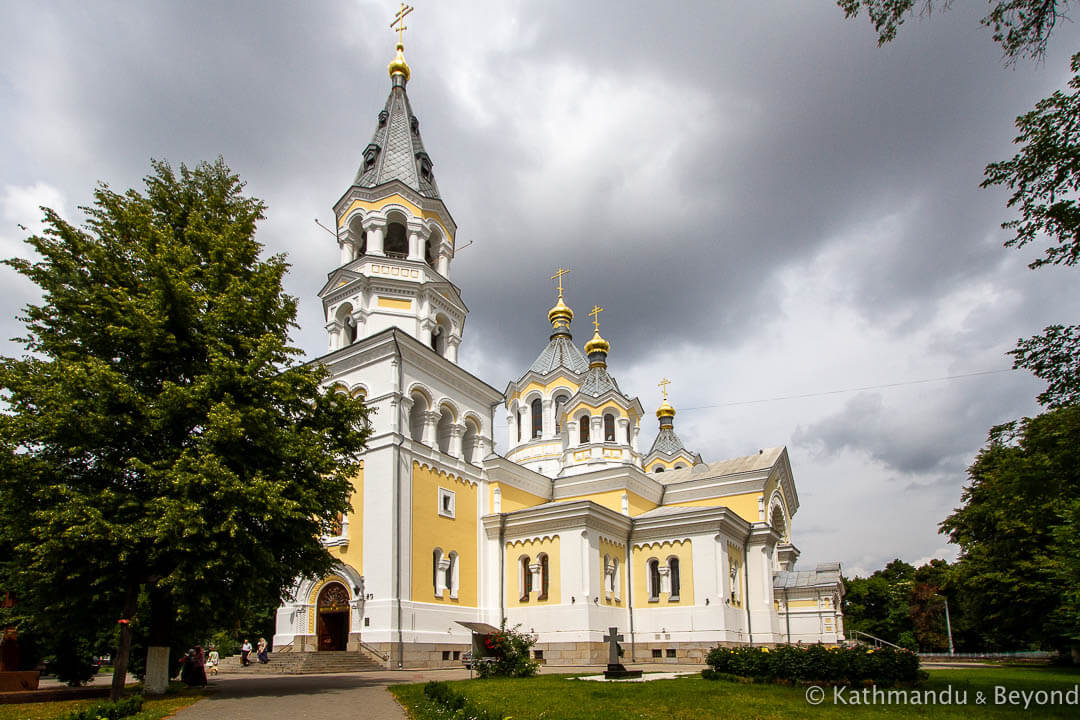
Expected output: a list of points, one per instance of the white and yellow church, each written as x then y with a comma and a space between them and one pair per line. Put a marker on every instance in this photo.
571, 531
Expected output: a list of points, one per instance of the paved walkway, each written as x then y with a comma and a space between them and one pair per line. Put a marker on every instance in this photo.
298, 697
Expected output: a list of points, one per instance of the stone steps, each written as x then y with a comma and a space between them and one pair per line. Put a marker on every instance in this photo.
303, 663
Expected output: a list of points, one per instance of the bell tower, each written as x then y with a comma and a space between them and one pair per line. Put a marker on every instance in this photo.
396, 237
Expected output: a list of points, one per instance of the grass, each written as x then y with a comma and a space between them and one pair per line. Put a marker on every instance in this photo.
554, 697
153, 709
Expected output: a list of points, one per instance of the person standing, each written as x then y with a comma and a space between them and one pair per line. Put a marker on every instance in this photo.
212, 661
262, 651
245, 650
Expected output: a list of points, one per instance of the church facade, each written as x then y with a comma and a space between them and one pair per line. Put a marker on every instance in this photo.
570, 531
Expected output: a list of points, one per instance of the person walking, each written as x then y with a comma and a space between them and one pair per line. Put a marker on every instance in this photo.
245, 650
262, 651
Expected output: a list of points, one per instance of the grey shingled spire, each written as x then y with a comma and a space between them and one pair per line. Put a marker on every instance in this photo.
396, 151
666, 442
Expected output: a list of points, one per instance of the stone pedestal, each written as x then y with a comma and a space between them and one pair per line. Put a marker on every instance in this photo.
157, 671
618, 671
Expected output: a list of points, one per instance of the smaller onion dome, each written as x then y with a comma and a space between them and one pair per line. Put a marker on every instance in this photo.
561, 314
597, 344
665, 411
398, 66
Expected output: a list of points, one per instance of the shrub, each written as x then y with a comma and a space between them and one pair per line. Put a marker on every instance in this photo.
816, 663
507, 655
107, 711
460, 706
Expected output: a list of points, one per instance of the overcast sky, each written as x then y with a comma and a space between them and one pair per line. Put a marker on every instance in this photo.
777, 215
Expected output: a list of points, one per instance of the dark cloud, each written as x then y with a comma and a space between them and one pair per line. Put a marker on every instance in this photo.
706, 171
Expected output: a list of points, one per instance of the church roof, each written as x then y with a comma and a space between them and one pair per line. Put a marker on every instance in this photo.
748, 463
666, 442
398, 149
561, 352
827, 574
597, 381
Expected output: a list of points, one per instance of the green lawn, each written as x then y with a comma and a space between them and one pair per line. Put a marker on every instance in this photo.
154, 709
553, 697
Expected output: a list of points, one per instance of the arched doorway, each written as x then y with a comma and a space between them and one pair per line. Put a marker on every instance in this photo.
333, 612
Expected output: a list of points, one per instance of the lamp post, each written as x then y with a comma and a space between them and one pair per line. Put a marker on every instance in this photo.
948, 625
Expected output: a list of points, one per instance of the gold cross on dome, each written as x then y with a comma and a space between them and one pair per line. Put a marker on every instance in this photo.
399, 20
663, 387
558, 276
596, 317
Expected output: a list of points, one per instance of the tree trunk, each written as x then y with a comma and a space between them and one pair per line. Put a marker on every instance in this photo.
162, 617
123, 649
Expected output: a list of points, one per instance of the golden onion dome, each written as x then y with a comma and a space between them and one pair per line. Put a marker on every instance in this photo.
561, 311
597, 344
665, 410
398, 65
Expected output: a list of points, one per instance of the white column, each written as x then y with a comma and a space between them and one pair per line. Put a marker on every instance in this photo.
444, 264
431, 422
426, 326
332, 330
346, 251
620, 430
452, 343
456, 433
376, 235
596, 429
416, 243
634, 437
572, 434
511, 431
548, 419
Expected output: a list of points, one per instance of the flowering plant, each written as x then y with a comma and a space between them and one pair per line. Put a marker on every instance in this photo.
507, 654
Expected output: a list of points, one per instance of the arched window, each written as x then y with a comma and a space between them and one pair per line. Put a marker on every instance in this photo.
543, 559
673, 569
560, 402
416, 416
517, 423
524, 578
436, 561
658, 469
430, 248
583, 428
609, 427
446, 420
468, 442
537, 417
654, 580
452, 575
397, 242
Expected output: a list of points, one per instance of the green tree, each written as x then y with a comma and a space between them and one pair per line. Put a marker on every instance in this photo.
1045, 179
161, 439
879, 605
1021, 27
1017, 530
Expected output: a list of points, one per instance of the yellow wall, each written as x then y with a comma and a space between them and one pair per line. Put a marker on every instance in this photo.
513, 498
745, 505
431, 530
395, 303
668, 464
616, 409
614, 550
392, 199
353, 553
546, 390
613, 499
662, 551
532, 548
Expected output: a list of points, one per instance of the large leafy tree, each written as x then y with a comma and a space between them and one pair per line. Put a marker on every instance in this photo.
1021, 27
161, 440
1017, 531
